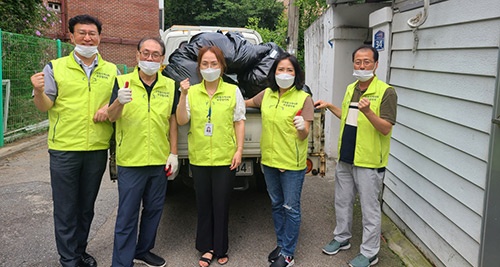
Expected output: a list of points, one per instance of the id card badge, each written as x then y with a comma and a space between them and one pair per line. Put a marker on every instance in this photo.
209, 128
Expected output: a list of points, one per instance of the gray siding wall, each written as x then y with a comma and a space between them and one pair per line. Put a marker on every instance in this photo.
435, 184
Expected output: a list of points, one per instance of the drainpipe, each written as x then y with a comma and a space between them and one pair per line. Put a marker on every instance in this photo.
416, 22
420, 18
64, 20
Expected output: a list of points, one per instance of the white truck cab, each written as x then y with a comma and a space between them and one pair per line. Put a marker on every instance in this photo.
175, 37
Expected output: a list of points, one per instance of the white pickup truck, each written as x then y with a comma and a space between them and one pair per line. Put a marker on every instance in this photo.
175, 37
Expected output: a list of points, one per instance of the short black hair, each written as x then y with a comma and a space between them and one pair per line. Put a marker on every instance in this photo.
366, 47
84, 19
299, 73
156, 39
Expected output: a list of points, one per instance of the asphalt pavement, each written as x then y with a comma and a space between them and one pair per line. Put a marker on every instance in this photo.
27, 235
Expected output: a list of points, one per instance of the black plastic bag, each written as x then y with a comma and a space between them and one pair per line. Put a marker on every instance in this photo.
255, 80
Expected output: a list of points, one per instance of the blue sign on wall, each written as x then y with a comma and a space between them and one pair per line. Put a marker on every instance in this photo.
379, 41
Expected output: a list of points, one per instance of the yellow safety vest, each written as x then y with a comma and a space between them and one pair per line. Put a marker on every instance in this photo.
279, 143
142, 132
71, 125
218, 149
372, 147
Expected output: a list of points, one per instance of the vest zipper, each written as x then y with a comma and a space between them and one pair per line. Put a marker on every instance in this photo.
149, 126
149, 101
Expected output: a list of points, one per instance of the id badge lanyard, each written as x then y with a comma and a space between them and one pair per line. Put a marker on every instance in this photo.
209, 127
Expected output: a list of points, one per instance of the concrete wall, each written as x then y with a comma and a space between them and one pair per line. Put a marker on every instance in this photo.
329, 43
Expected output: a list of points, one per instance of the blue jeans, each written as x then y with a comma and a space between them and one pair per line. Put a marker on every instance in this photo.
284, 189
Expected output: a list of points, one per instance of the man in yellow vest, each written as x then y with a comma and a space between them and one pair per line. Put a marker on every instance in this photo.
75, 91
367, 115
146, 153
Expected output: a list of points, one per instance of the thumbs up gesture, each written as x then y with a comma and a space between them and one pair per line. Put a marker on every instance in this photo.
124, 94
298, 121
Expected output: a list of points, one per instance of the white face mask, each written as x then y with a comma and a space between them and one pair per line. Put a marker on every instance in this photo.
210, 74
284, 80
85, 50
363, 75
149, 67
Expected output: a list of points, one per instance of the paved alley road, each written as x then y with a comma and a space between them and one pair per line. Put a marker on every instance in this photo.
27, 227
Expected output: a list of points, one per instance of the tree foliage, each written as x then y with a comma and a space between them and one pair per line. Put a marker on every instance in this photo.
278, 35
226, 13
309, 11
264, 16
26, 16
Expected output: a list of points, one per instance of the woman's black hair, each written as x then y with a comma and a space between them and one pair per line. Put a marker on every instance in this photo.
299, 73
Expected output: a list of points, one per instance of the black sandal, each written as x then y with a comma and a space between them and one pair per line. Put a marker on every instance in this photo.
205, 259
223, 257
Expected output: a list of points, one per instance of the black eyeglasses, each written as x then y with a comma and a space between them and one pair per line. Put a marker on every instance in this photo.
146, 54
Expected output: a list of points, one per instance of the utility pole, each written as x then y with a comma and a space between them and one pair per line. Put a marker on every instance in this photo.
161, 5
293, 28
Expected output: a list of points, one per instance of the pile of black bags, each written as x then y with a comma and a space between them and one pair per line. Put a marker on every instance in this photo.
247, 64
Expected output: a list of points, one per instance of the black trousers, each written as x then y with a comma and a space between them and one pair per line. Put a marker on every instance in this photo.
75, 177
213, 186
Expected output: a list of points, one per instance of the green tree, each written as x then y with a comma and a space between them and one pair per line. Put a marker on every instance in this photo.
228, 13
309, 11
278, 35
26, 16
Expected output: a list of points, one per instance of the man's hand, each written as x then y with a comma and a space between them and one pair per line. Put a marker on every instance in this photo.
124, 94
101, 114
321, 104
364, 105
38, 82
334, 109
172, 164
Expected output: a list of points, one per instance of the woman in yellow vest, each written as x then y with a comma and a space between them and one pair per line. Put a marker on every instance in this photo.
216, 110
287, 111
